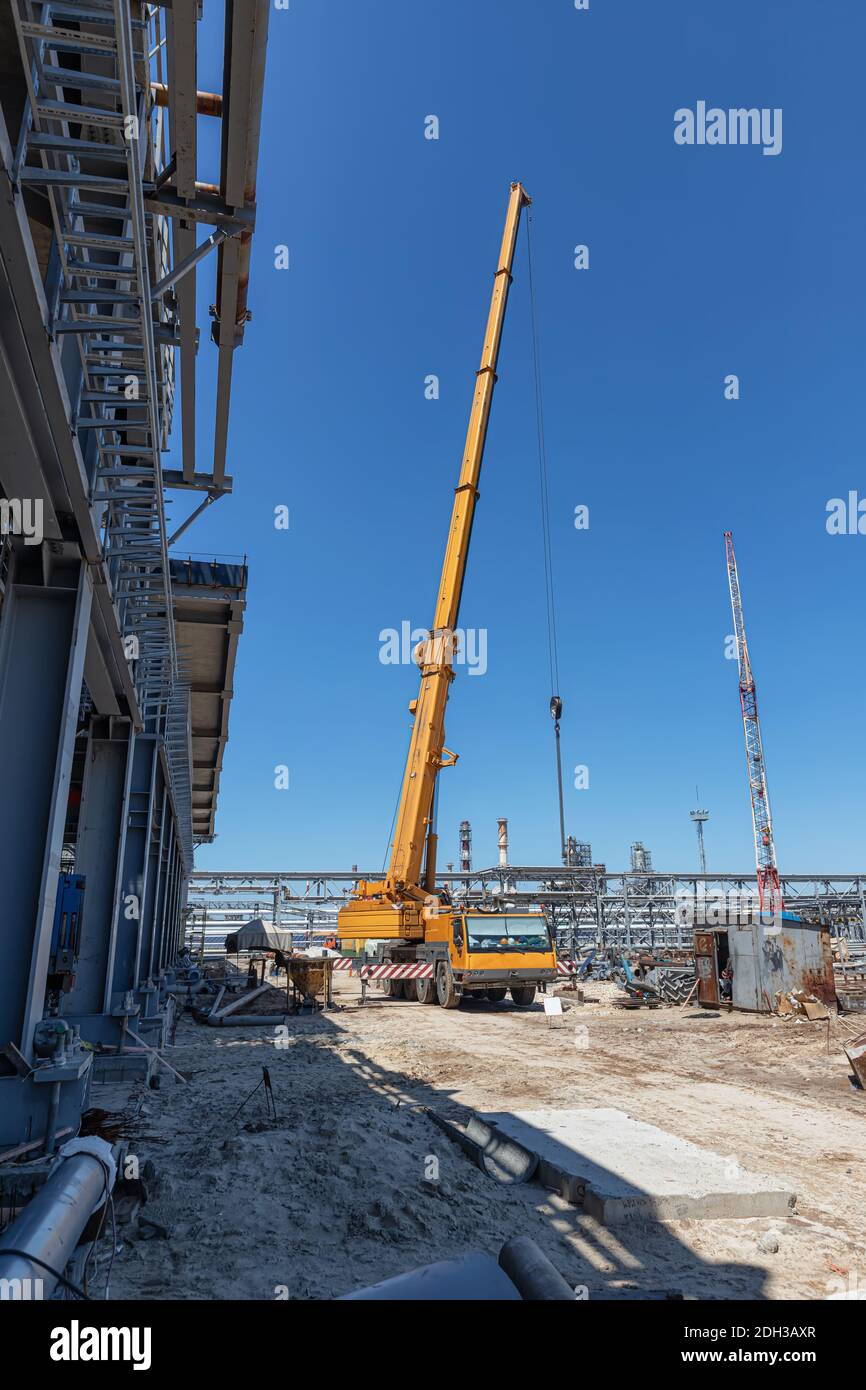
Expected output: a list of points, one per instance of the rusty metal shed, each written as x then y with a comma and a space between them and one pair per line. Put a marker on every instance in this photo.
767, 958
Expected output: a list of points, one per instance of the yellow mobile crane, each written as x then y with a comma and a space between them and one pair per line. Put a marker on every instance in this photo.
468, 951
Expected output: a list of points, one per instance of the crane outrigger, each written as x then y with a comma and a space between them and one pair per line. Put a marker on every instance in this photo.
454, 951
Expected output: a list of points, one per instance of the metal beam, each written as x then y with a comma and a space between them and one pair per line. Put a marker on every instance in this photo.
197, 482
204, 207
100, 841
183, 267
43, 639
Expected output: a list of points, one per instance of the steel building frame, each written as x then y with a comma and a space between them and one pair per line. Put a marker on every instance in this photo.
100, 203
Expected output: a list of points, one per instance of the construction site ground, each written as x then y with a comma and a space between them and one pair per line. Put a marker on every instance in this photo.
336, 1193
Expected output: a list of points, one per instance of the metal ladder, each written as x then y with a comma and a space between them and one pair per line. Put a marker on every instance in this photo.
87, 146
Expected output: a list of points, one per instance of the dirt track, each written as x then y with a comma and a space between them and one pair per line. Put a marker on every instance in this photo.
332, 1194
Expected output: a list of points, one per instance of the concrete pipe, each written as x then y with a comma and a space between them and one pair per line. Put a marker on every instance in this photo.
502, 1158
497, 1155
531, 1271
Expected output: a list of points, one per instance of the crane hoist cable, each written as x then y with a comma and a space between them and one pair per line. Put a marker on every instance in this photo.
391, 833
544, 498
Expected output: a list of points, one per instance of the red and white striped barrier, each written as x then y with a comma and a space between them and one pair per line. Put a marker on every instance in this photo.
413, 971
416, 971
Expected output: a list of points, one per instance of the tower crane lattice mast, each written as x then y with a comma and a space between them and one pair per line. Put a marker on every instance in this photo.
769, 888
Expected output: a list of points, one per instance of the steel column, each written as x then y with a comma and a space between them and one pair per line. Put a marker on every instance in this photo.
98, 854
43, 639
165, 909
159, 888
131, 902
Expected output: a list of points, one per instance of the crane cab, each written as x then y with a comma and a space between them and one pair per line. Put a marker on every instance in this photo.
475, 954
494, 952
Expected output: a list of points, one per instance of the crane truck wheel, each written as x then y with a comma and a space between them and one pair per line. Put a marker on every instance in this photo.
392, 989
523, 994
497, 995
409, 990
425, 991
445, 991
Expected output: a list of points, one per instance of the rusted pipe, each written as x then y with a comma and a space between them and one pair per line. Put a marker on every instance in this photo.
206, 103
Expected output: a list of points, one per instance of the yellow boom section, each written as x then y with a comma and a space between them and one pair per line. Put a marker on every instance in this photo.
427, 752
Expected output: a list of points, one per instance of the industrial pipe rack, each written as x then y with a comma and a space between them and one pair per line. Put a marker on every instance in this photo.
586, 906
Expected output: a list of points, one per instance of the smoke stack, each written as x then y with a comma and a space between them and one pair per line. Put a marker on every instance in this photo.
465, 847
503, 843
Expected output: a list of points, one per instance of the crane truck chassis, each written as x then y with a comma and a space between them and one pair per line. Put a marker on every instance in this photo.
482, 955
404, 918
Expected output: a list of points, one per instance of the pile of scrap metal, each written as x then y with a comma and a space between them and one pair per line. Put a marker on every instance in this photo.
230, 992
236, 999
673, 978
652, 982
849, 972
224, 998
646, 978
190, 982
236, 1013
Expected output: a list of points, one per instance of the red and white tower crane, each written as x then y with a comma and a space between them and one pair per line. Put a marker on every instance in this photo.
769, 889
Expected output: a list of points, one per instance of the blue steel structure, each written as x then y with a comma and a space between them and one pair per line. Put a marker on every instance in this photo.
100, 702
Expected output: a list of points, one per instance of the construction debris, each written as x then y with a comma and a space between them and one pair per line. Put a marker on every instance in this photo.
797, 1002
855, 1051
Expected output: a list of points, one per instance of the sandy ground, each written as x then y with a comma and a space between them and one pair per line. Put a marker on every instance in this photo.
333, 1194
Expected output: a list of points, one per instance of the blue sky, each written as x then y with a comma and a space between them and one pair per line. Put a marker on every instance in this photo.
704, 261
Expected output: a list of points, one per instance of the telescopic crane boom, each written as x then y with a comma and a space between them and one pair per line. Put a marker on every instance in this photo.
392, 907
769, 888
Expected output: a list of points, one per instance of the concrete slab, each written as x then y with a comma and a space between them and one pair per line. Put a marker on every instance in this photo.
621, 1169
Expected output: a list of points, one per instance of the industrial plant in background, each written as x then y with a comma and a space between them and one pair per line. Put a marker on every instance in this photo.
578, 853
